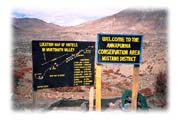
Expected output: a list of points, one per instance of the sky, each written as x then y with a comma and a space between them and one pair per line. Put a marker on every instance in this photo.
67, 12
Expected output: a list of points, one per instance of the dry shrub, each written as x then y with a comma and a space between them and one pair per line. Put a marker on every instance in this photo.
161, 88
161, 84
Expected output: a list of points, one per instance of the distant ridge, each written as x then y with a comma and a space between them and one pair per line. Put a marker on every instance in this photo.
126, 21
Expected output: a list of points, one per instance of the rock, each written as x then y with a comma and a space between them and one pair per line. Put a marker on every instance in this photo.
104, 85
115, 105
141, 73
127, 107
111, 105
68, 89
18, 74
108, 72
126, 70
27, 69
125, 83
117, 72
146, 92
158, 68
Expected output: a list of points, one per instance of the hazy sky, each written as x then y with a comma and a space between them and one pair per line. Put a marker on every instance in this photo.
65, 12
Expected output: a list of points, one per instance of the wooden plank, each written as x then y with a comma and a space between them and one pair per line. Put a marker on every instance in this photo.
91, 98
135, 87
98, 87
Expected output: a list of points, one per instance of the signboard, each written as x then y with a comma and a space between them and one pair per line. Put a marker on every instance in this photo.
62, 63
119, 48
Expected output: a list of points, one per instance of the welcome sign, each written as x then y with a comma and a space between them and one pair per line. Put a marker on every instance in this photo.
119, 48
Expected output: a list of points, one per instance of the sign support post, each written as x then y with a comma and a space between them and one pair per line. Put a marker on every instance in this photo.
34, 95
91, 98
135, 87
98, 87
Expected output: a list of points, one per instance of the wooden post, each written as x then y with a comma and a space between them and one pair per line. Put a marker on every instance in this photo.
34, 95
91, 98
98, 87
135, 87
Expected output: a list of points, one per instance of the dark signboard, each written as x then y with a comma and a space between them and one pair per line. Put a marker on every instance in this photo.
119, 48
62, 63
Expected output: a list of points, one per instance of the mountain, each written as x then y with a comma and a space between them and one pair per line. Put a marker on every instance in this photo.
126, 21
28, 29
33, 25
